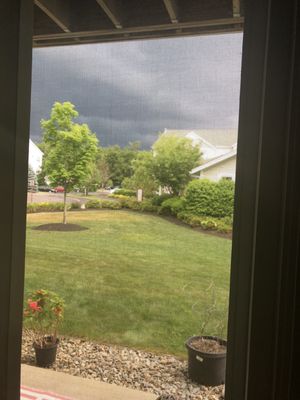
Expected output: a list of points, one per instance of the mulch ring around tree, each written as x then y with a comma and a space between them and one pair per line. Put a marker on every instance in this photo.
59, 227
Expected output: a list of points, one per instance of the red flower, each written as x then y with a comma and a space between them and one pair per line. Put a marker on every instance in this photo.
34, 306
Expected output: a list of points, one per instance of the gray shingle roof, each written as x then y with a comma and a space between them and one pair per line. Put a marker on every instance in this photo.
216, 137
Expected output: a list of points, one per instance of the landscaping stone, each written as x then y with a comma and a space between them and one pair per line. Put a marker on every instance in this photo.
163, 375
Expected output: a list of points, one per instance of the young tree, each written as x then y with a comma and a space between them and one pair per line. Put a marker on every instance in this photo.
174, 158
104, 173
32, 180
69, 149
143, 177
118, 161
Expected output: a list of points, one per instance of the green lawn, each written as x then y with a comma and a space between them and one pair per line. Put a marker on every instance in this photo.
130, 279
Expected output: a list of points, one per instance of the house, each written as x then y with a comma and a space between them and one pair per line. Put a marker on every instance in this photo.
35, 157
218, 148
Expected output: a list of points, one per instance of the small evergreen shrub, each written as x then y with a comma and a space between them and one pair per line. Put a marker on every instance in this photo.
112, 205
209, 224
126, 192
206, 223
93, 204
75, 206
46, 207
157, 200
213, 199
120, 196
98, 204
147, 206
172, 206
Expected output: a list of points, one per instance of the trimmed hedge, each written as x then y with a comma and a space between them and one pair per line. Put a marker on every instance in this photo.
98, 204
157, 200
207, 198
207, 223
172, 206
126, 192
49, 206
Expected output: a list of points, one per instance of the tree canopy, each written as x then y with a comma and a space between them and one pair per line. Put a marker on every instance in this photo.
143, 177
69, 148
174, 158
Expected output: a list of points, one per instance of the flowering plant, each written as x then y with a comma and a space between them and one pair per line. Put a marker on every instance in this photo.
43, 313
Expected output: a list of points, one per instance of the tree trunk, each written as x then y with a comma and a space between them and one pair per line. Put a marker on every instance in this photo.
65, 206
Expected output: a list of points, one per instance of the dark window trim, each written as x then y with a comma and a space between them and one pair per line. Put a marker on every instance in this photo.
266, 224
266, 236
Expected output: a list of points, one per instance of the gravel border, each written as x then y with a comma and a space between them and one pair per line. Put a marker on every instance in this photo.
146, 371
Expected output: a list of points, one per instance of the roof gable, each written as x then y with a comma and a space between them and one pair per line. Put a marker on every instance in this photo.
213, 137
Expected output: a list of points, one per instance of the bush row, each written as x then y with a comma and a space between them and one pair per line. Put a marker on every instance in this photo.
223, 225
213, 199
126, 192
124, 202
46, 207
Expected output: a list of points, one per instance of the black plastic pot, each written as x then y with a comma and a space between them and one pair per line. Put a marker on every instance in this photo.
208, 369
45, 356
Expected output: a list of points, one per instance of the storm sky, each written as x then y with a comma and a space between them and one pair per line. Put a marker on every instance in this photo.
132, 90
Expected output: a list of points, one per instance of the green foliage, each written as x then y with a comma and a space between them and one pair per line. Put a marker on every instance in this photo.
116, 163
157, 200
126, 192
50, 206
142, 177
221, 225
93, 204
75, 206
174, 158
172, 206
147, 206
119, 196
215, 199
98, 204
32, 185
43, 313
70, 148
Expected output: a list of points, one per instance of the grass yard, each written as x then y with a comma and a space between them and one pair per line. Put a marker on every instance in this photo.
130, 279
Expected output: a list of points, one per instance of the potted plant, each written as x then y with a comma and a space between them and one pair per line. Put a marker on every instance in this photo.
207, 354
43, 314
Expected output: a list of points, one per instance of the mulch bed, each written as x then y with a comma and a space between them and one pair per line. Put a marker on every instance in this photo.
163, 375
60, 227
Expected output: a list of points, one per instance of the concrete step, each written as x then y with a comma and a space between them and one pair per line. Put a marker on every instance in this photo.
78, 388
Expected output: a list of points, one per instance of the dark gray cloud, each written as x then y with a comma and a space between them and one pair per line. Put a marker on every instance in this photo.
130, 91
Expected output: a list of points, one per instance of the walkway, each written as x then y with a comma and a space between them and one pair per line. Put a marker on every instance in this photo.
78, 388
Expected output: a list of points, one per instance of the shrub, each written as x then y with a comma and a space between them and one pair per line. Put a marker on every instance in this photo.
214, 199
75, 206
113, 205
206, 223
46, 207
184, 216
194, 220
157, 200
126, 192
132, 205
209, 224
93, 204
146, 205
120, 196
172, 206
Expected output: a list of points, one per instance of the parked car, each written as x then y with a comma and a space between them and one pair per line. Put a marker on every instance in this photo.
59, 189
45, 188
